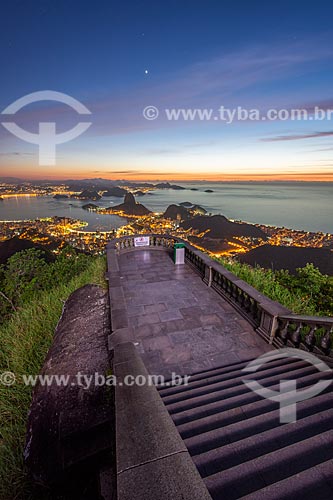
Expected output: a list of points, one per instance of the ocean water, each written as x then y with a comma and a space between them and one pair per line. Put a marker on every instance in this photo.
297, 205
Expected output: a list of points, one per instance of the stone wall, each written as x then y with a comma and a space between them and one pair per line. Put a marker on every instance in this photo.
70, 430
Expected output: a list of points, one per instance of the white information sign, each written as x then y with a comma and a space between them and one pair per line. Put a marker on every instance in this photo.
141, 241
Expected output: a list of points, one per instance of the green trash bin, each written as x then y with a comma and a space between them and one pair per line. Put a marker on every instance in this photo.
179, 253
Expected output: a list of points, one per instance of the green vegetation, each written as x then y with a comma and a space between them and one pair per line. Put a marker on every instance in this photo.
34, 295
308, 292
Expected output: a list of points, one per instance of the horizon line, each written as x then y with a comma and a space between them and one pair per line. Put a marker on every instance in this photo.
245, 178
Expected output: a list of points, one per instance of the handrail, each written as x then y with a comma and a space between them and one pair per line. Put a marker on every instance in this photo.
309, 332
271, 320
138, 452
155, 241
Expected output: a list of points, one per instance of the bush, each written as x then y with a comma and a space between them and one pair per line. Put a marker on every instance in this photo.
308, 292
27, 274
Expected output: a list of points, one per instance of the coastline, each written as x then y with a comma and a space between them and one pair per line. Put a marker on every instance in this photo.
298, 206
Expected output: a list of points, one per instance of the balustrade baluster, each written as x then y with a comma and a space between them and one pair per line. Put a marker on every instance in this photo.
283, 332
310, 338
241, 298
247, 303
296, 335
326, 340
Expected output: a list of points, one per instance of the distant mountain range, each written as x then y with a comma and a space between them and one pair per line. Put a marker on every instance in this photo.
281, 257
11, 180
98, 184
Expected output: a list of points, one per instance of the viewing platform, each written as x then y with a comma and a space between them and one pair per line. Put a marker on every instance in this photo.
199, 314
213, 438
177, 323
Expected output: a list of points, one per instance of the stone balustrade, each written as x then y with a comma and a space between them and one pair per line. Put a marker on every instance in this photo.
272, 321
156, 241
312, 333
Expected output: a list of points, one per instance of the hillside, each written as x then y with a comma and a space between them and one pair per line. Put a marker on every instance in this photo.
87, 194
175, 212
167, 185
13, 245
219, 226
281, 257
115, 191
130, 207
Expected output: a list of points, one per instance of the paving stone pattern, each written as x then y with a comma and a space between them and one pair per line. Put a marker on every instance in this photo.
178, 323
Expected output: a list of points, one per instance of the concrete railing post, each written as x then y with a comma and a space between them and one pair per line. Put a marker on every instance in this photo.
207, 275
269, 314
210, 276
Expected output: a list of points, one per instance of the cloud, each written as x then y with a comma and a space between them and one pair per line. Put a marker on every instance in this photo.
313, 174
326, 105
15, 153
161, 152
115, 171
313, 135
321, 150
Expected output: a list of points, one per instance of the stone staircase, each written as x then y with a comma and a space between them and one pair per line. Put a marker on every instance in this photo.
237, 442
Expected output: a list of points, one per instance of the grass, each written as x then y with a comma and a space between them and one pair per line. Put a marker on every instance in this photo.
266, 282
24, 342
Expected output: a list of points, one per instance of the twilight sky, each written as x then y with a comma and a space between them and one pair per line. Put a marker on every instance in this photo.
118, 57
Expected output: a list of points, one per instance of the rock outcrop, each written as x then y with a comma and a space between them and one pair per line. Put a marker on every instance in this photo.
87, 194
176, 212
116, 191
70, 424
167, 185
130, 207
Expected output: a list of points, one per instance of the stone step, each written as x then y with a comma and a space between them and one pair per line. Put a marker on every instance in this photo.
204, 408
237, 414
313, 483
256, 474
223, 391
222, 382
234, 453
194, 383
228, 369
237, 441
249, 427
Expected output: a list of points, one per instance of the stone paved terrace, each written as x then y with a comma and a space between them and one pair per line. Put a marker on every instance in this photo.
178, 323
